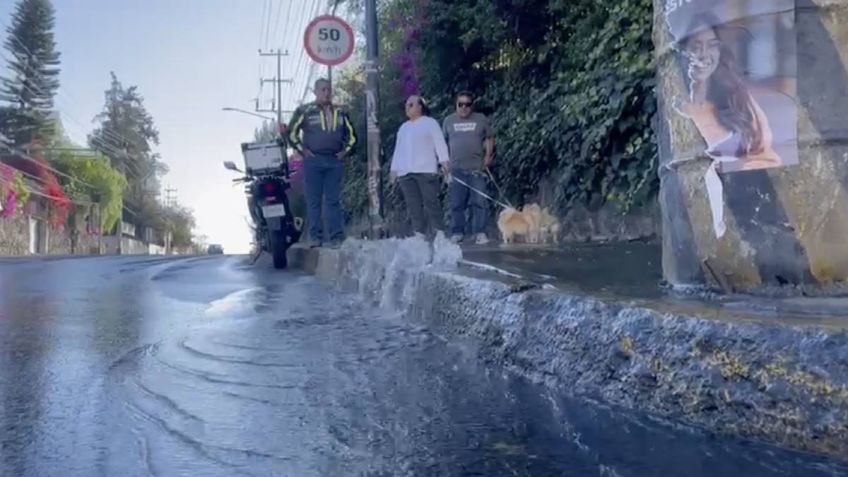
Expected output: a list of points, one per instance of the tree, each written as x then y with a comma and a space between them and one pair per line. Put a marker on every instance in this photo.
33, 79
126, 135
180, 222
568, 86
90, 178
267, 132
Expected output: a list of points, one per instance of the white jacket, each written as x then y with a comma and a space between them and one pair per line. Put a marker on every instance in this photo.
419, 146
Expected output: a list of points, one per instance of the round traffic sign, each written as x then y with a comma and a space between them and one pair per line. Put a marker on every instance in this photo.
328, 40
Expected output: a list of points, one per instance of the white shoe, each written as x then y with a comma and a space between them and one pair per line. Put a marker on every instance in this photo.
482, 239
456, 238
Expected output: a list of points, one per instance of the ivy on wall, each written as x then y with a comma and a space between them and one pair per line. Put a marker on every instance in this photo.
568, 85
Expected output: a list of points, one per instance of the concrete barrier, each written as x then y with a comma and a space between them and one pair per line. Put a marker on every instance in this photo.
782, 383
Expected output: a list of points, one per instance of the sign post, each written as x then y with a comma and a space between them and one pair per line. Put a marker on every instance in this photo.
372, 94
328, 40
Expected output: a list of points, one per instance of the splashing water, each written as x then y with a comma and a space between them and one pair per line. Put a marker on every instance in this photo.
386, 272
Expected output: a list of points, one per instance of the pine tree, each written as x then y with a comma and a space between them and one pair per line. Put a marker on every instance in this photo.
29, 89
126, 135
267, 132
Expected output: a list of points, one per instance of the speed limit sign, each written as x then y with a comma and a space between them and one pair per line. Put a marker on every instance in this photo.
328, 40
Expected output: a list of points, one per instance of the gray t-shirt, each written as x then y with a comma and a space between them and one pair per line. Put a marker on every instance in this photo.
465, 140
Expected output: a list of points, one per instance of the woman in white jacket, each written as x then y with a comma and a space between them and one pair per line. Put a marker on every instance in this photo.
420, 148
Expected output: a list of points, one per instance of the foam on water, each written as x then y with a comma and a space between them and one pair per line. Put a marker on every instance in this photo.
237, 303
387, 271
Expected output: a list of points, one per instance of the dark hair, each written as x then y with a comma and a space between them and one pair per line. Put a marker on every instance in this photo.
726, 89
322, 80
465, 93
425, 110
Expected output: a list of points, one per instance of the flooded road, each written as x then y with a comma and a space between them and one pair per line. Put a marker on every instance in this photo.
154, 367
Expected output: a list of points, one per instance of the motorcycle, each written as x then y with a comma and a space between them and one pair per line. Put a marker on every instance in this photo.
267, 181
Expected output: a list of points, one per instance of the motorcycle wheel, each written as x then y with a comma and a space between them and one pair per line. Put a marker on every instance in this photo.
278, 249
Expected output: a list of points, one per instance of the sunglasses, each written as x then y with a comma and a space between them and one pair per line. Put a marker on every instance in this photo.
464, 105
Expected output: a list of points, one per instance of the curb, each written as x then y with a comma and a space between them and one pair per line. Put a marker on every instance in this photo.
779, 383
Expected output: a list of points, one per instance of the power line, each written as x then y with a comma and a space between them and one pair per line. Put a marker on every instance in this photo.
288, 15
108, 134
262, 21
46, 196
277, 21
312, 67
268, 27
292, 31
59, 92
44, 165
301, 68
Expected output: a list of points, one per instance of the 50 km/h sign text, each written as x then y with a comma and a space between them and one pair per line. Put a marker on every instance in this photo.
328, 40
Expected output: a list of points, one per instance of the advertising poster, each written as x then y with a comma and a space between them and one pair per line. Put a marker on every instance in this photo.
738, 60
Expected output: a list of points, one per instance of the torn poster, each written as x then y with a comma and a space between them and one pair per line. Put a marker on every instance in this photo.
739, 61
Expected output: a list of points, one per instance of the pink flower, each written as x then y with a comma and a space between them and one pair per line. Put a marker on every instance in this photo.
10, 204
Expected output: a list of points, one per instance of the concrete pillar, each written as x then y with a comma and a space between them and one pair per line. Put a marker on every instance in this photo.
785, 225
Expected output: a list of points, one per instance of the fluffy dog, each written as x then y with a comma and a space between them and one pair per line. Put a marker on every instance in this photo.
533, 212
513, 223
525, 223
532, 223
549, 227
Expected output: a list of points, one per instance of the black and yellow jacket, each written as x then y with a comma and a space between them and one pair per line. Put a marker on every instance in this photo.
323, 134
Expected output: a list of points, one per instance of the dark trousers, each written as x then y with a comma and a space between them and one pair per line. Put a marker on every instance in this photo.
460, 198
323, 181
421, 194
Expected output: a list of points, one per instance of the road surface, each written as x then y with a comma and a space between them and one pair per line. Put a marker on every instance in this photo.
144, 366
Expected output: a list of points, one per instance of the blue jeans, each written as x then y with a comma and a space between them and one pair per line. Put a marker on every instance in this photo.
323, 181
461, 196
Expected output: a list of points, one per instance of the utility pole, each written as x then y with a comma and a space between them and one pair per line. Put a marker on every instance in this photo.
278, 81
170, 201
170, 196
375, 210
330, 68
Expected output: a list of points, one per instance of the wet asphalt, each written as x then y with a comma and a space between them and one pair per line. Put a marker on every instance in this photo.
145, 366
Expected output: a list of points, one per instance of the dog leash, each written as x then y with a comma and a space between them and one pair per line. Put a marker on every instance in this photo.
500, 192
454, 178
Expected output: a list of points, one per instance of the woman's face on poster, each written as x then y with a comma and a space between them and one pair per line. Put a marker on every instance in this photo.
703, 51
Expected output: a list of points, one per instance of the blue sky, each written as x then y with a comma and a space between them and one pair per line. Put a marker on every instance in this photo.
189, 58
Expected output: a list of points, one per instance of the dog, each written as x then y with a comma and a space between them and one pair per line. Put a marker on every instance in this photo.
533, 213
549, 227
525, 223
513, 223
532, 223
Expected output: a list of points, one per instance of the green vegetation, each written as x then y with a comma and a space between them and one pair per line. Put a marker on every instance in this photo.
121, 173
33, 78
108, 183
569, 86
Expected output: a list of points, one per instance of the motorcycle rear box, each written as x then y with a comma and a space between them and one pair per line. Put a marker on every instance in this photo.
261, 157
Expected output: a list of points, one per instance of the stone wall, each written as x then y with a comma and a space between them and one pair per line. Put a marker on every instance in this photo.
15, 239
786, 226
14, 235
62, 242
128, 246
579, 224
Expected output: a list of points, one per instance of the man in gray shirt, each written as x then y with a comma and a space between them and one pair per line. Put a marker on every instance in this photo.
471, 144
